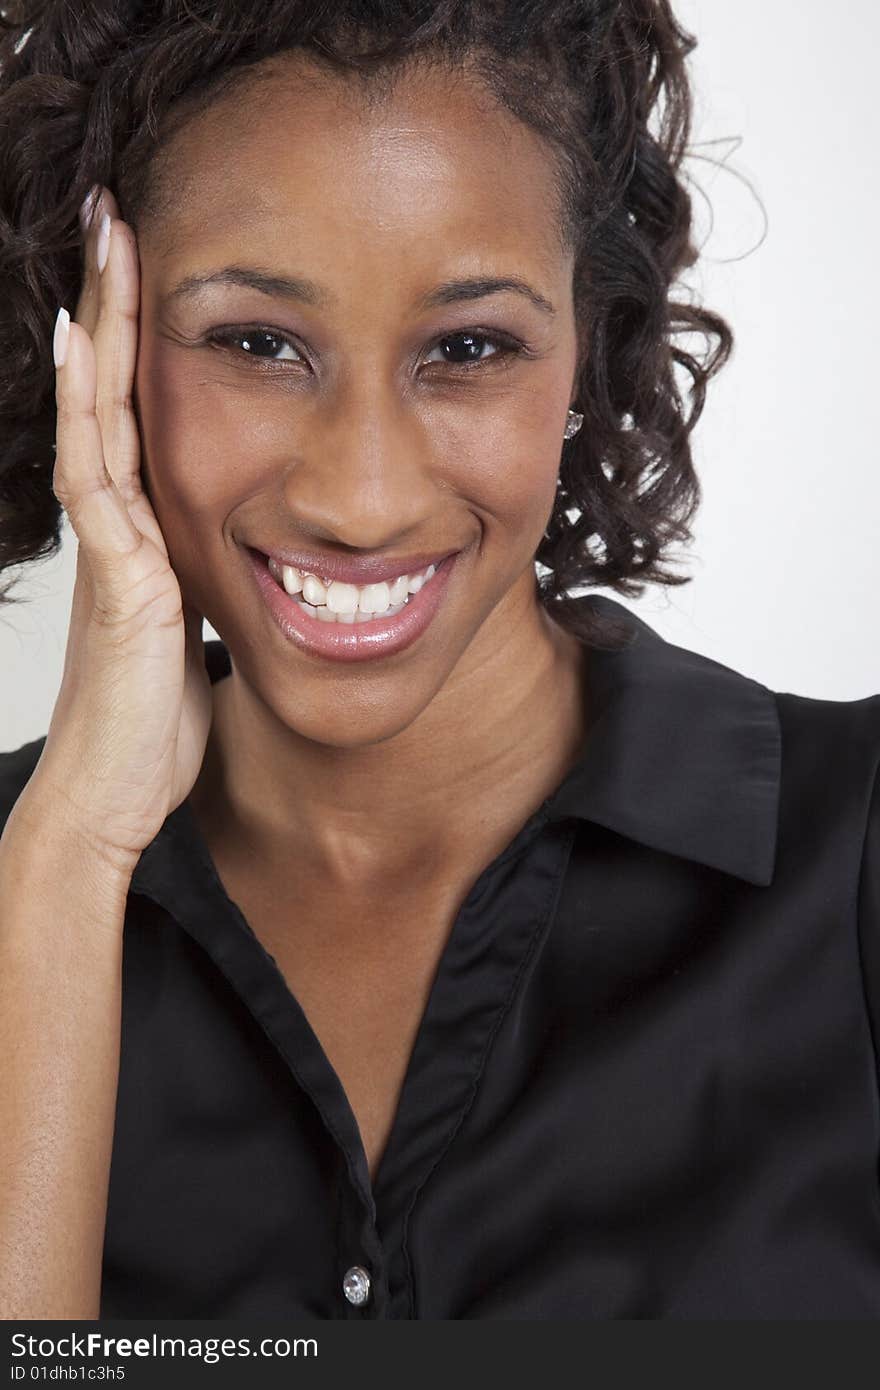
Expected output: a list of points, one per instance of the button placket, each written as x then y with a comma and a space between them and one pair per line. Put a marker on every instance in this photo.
362, 1289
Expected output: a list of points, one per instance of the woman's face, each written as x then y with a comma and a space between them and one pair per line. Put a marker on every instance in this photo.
357, 428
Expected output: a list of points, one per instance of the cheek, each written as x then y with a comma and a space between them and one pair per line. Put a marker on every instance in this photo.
199, 443
509, 466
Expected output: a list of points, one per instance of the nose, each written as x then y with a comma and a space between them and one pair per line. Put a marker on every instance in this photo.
366, 474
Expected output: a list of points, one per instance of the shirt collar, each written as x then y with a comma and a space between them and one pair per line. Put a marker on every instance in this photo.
682, 754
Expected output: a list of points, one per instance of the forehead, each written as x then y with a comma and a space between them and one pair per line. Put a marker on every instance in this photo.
429, 163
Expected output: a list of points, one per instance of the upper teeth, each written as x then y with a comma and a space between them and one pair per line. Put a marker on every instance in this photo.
349, 598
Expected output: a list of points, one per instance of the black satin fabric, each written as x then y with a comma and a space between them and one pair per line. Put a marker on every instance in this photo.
645, 1084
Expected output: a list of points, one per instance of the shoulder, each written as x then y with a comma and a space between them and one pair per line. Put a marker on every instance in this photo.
829, 825
842, 722
16, 768
830, 803
832, 746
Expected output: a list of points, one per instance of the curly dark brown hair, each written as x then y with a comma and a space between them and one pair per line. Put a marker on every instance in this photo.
90, 91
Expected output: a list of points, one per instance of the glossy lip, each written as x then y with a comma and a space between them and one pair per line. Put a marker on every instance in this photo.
352, 641
361, 570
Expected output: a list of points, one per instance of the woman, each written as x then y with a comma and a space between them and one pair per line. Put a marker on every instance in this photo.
485, 956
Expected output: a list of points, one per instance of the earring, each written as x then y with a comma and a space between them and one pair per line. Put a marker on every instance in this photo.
573, 424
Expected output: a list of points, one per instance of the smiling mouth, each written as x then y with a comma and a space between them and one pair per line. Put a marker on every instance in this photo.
335, 601
354, 633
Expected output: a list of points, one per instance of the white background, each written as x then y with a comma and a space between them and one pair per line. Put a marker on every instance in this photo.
785, 560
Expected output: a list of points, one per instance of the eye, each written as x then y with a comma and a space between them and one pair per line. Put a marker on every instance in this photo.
467, 348
269, 347
262, 343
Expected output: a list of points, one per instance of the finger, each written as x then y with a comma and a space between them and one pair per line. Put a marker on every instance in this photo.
115, 339
120, 447
117, 326
97, 202
115, 342
80, 480
193, 625
101, 282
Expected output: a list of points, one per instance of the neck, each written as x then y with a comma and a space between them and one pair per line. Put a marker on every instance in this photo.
461, 777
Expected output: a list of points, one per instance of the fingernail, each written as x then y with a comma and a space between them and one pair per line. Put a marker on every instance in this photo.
87, 208
62, 332
104, 241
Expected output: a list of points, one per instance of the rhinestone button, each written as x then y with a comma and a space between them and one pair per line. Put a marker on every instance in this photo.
356, 1285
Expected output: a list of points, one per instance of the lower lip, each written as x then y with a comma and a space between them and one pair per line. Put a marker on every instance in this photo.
352, 641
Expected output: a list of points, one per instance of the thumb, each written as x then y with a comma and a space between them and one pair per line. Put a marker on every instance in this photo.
193, 621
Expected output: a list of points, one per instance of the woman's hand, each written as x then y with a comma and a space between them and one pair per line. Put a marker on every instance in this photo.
129, 728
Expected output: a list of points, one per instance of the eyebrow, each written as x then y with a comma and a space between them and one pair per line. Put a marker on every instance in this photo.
308, 292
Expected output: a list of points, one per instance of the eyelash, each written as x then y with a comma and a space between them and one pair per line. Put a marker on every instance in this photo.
511, 347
